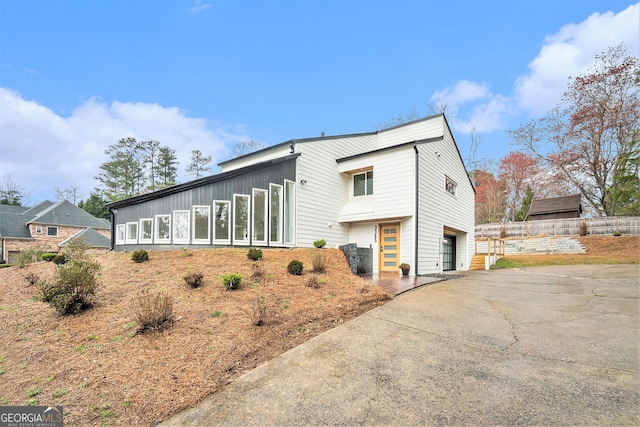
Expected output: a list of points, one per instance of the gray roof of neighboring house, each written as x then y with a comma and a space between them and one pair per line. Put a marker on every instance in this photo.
38, 208
10, 209
14, 225
556, 204
91, 237
66, 213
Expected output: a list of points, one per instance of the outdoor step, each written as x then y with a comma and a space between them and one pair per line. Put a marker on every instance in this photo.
477, 262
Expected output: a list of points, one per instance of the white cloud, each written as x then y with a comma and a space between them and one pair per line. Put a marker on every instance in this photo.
198, 7
41, 149
570, 52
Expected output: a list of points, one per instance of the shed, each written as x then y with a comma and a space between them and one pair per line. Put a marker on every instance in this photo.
556, 208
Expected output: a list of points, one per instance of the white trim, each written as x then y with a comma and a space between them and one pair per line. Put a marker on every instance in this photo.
38, 230
52, 227
226, 241
174, 230
193, 231
293, 238
280, 214
120, 232
128, 239
255, 241
141, 228
156, 225
244, 242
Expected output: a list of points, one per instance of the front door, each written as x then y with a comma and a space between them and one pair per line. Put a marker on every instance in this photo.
448, 253
389, 247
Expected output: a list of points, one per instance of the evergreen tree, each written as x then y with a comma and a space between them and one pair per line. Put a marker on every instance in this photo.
95, 205
199, 164
166, 168
523, 212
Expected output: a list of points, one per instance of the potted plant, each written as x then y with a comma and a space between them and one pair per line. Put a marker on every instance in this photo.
405, 268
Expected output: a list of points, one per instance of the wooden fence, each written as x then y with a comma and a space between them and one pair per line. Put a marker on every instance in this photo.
561, 227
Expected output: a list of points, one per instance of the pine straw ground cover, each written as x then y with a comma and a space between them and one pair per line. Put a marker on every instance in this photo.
103, 373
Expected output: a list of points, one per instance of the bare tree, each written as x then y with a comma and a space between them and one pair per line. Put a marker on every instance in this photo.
246, 147
71, 193
11, 193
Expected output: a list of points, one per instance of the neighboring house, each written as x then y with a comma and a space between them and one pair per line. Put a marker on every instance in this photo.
555, 208
402, 195
48, 226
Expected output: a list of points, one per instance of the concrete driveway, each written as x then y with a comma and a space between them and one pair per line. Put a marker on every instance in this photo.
539, 346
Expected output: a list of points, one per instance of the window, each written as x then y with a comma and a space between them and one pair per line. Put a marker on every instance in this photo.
259, 216
201, 224
289, 211
132, 233
450, 185
163, 229
275, 215
38, 229
221, 233
241, 219
363, 184
52, 231
146, 227
120, 234
180, 226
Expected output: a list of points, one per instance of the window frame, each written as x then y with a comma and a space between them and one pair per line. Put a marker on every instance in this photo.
368, 183
289, 213
127, 236
52, 227
227, 240
156, 229
120, 234
450, 186
141, 231
247, 241
193, 231
265, 219
38, 229
279, 213
174, 230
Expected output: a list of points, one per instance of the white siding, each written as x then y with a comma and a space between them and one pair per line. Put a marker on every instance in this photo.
429, 128
439, 209
269, 154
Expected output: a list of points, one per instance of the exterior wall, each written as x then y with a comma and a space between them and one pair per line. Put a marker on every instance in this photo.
268, 154
430, 127
555, 215
439, 209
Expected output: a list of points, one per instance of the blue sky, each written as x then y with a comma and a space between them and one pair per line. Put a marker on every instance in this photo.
76, 76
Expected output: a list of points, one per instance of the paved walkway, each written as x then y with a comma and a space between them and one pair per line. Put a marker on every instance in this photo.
540, 346
395, 284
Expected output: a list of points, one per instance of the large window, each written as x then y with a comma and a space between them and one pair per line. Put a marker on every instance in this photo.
120, 234
52, 231
132, 233
201, 224
241, 219
221, 211
180, 226
163, 229
363, 184
275, 213
289, 211
259, 216
146, 232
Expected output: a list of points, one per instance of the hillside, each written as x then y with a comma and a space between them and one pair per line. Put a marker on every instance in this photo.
103, 373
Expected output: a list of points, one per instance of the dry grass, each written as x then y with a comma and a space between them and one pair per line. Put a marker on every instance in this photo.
95, 365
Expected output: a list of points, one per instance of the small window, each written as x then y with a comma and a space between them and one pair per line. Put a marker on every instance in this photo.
52, 231
120, 234
363, 184
132, 233
38, 229
163, 229
146, 227
450, 185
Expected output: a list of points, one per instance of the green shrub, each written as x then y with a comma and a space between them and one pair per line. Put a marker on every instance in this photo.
320, 243
231, 281
194, 279
48, 256
151, 310
320, 263
28, 256
73, 287
141, 255
295, 267
60, 259
617, 233
254, 254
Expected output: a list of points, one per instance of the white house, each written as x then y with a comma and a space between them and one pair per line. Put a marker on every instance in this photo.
401, 195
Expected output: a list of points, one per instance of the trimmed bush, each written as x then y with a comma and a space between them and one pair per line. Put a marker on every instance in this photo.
617, 233
151, 310
194, 279
320, 243
141, 255
48, 256
254, 254
231, 281
320, 263
60, 259
295, 267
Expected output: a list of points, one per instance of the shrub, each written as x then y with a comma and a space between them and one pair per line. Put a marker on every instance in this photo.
583, 228
262, 309
295, 267
314, 281
31, 278
60, 259
48, 256
320, 263
194, 279
141, 255
231, 281
503, 231
258, 273
73, 287
320, 243
254, 254
151, 310
28, 256
617, 233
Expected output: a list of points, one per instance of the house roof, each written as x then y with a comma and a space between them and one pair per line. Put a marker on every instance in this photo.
197, 183
14, 225
91, 237
11, 209
556, 204
66, 213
